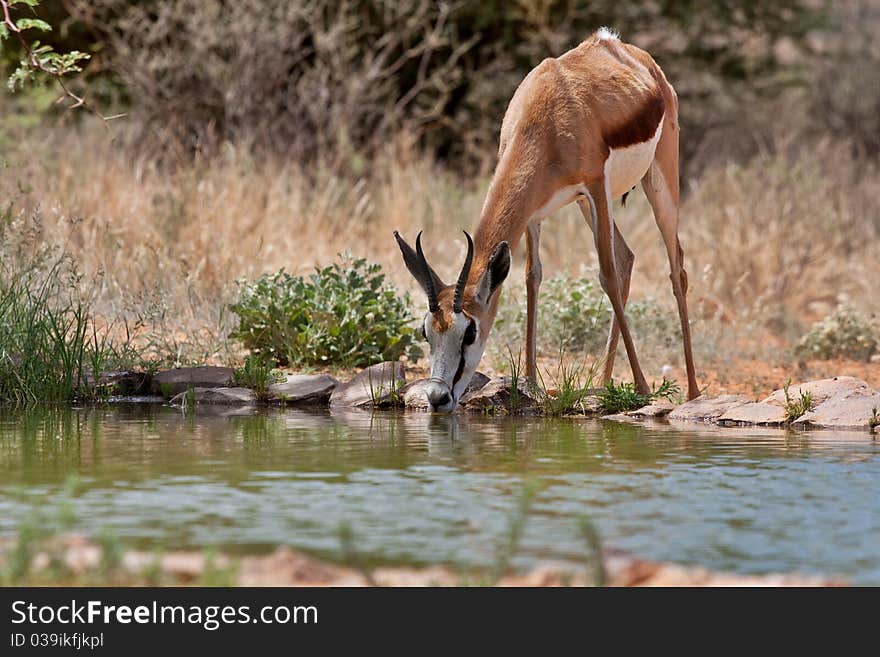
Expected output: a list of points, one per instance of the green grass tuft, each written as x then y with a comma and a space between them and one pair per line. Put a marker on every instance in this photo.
51, 349
569, 386
796, 406
257, 373
622, 397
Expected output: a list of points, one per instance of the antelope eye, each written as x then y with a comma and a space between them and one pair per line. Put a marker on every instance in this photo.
470, 334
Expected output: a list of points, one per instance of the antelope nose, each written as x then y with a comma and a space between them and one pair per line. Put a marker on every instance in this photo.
438, 395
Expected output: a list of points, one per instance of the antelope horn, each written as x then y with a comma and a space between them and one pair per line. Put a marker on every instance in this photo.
458, 299
428, 280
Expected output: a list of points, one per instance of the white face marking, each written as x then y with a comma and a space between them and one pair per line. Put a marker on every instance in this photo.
447, 349
625, 167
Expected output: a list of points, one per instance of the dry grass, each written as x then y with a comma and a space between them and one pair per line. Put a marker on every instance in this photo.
771, 245
166, 246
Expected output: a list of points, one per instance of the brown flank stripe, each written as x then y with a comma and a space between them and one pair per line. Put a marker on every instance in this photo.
640, 127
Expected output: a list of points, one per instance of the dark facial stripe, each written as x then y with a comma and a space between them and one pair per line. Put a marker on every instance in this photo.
460, 369
470, 335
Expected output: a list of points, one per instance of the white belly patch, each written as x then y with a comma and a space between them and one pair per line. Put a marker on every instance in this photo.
625, 166
559, 199
624, 169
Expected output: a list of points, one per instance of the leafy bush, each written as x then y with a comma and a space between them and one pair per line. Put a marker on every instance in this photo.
844, 333
343, 314
656, 324
574, 315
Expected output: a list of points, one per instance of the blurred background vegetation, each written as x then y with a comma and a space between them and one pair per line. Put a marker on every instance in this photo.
262, 134
337, 79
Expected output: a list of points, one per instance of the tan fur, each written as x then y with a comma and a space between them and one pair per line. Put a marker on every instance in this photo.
442, 320
559, 129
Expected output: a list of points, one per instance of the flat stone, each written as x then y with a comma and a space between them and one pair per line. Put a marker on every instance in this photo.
124, 383
659, 408
823, 389
303, 389
495, 397
591, 404
414, 393
376, 386
848, 411
135, 399
706, 409
172, 382
478, 380
219, 396
762, 413
286, 567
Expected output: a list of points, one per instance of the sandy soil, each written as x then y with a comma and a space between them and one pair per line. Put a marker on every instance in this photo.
758, 379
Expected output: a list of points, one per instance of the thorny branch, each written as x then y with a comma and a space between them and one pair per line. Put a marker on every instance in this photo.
35, 62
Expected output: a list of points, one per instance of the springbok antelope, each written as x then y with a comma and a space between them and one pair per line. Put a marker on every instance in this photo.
584, 127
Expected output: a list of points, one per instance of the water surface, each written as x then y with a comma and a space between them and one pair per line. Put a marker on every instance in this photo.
421, 489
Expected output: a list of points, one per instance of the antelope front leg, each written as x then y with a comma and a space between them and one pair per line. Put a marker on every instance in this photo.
624, 260
534, 275
602, 222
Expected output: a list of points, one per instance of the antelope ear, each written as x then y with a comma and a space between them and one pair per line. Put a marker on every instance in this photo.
414, 265
496, 271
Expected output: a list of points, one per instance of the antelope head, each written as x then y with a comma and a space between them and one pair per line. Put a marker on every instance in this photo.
459, 317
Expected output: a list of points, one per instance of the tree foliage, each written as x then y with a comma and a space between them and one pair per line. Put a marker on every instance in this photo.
34, 57
305, 79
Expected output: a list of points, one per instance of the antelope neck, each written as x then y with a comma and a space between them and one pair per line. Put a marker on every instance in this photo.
508, 208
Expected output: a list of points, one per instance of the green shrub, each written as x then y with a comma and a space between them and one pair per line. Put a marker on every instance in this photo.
844, 333
574, 315
344, 314
654, 325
